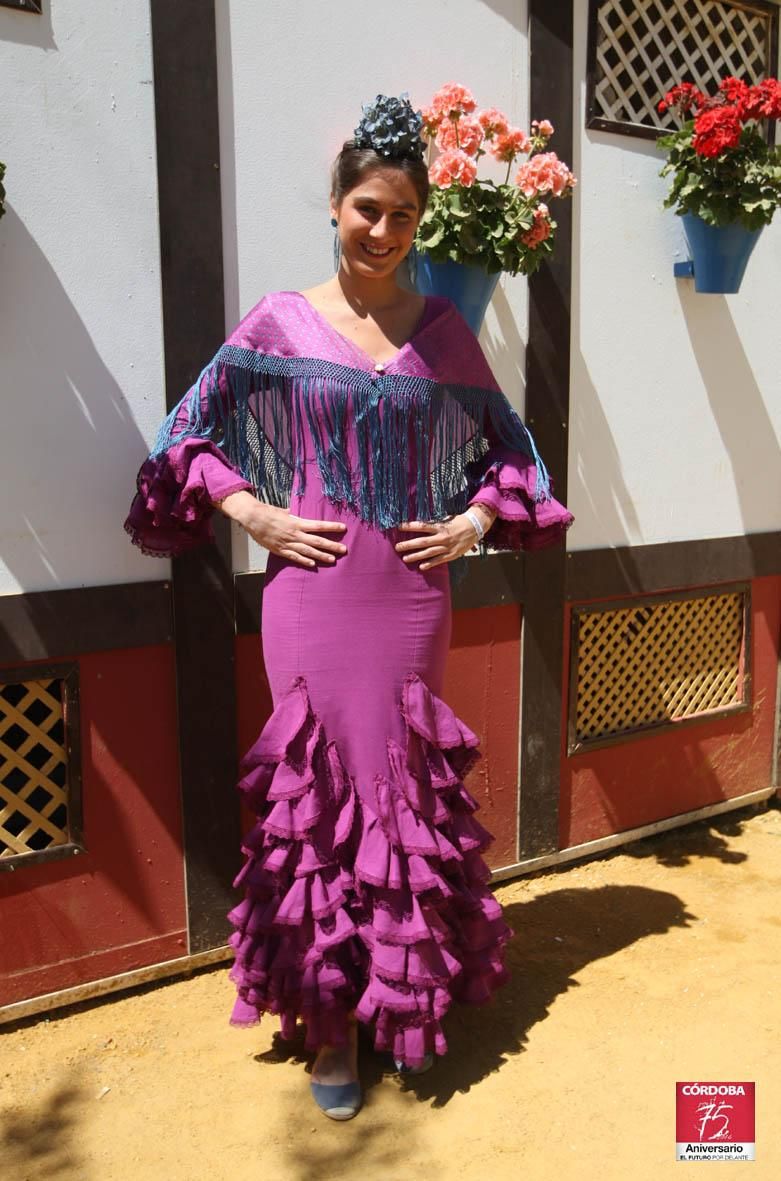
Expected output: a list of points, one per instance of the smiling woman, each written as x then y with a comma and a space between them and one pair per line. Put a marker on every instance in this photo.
376, 217
356, 431
376, 221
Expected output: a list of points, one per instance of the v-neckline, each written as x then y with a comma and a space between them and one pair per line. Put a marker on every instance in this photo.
380, 366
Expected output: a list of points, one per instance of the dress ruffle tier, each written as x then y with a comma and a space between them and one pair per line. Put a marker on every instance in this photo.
384, 911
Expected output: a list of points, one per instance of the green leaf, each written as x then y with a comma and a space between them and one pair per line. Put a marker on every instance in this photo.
432, 240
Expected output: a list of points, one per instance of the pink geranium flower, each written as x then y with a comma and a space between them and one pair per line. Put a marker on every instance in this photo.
524, 231
431, 121
544, 173
493, 122
544, 127
541, 228
453, 100
466, 134
453, 167
507, 146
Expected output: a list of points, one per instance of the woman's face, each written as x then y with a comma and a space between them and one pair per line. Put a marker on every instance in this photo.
377, 222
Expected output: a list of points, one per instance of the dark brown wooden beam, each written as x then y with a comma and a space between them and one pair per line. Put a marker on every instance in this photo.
188, 159
641, 569
47, 625
547, 415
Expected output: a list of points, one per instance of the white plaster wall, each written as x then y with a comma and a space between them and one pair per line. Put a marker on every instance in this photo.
80, 318
292, 80
676, 410
675, 397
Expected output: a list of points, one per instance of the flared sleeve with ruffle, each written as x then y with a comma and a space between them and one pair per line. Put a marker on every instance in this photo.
505, 481
187, 472
174, 502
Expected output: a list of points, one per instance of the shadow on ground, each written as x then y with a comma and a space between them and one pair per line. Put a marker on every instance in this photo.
41, 1141
555, 936
704, 838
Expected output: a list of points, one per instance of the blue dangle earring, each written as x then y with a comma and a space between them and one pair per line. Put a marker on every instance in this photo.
337, 244
412, 266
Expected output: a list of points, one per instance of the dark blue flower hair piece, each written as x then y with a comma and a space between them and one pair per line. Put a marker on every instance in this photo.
391, 127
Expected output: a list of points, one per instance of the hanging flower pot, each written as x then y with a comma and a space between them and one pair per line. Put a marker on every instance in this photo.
469, 287
719, 254
726, 182
474, 229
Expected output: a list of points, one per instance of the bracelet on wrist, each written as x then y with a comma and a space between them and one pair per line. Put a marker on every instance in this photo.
477, 523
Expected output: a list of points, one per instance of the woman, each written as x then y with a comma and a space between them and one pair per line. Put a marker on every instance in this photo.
356, 431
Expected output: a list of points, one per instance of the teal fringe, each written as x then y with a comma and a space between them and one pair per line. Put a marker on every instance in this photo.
415, 440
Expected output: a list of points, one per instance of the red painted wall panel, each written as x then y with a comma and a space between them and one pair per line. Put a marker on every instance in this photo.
482, 685
677, 770
121, 904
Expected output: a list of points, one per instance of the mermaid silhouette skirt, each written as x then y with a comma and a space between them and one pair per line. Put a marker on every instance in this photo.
364, 886
364, 883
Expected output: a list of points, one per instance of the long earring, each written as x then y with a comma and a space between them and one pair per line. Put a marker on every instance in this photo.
337, 244
412, 265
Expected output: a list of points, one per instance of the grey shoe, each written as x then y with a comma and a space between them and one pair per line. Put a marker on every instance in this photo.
402, 1068
341, 1101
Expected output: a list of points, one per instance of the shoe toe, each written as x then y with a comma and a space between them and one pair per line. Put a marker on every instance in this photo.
402, 1067
337, 1102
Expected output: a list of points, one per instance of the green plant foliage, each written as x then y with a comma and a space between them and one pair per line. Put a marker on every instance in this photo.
482, 225
742, 184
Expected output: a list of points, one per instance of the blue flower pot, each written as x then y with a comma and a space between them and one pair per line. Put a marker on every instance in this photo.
720, 253
470, 288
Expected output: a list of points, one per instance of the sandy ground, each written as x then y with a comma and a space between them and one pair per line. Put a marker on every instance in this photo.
649, 965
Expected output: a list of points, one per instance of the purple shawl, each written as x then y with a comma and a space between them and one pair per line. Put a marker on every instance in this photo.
420, 436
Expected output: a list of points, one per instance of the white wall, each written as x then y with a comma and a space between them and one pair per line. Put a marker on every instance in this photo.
80, 318
292, 81
675, 397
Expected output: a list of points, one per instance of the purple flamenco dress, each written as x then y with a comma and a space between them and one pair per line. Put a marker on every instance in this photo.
363, 886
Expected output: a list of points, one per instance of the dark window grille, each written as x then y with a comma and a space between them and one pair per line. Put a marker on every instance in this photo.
40, 778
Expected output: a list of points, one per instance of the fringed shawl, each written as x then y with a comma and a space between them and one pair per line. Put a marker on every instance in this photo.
392, 445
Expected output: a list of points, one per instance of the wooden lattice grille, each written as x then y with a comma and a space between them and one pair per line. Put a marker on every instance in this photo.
638, 49
33, 767
656, 662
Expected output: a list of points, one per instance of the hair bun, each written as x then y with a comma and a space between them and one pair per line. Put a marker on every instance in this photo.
391, 127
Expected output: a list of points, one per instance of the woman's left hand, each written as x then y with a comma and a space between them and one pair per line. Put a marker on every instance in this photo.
444, 541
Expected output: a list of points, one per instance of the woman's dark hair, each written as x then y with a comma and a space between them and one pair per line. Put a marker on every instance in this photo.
353, 164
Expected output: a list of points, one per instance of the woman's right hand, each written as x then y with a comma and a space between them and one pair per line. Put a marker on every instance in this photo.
281, 532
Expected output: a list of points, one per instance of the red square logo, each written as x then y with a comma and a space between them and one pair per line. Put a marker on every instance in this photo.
714, 1121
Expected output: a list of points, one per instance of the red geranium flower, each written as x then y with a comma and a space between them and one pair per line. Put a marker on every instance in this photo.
762, 101
733, 89
684, 96
716, 130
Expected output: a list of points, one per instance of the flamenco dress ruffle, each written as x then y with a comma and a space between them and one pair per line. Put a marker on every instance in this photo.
383, 911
